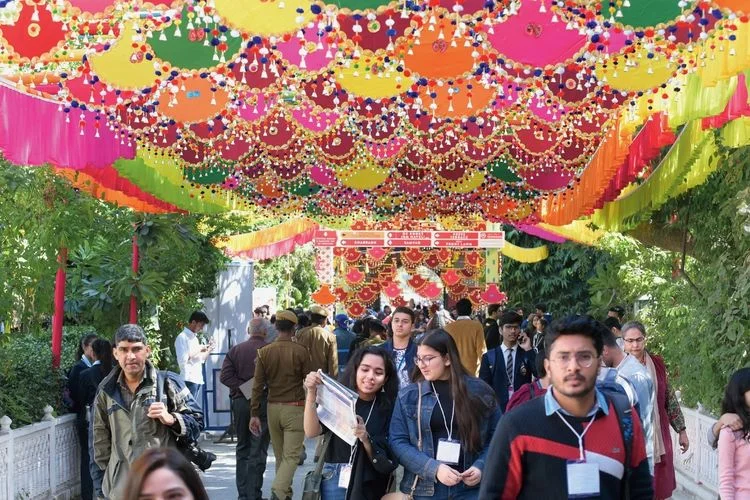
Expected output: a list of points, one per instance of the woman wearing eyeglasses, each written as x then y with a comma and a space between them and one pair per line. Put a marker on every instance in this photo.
666, 410
442, 424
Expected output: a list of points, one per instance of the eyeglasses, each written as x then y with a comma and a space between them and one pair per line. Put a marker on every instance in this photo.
639, 340
583, 359
424, 360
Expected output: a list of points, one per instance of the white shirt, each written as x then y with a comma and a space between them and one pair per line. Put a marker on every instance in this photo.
190, 368
505, 357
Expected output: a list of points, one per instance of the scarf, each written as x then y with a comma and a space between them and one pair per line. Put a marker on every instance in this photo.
659, 449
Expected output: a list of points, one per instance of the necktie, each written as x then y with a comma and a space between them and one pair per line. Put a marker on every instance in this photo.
509, 367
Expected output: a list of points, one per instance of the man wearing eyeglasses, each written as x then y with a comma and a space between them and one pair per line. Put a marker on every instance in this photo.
574, 442
511, 364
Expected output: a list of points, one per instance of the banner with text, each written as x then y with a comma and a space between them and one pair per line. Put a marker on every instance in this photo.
419, 239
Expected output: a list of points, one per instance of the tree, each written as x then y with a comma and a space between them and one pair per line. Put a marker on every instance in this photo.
293, 275
40, 213
560, 281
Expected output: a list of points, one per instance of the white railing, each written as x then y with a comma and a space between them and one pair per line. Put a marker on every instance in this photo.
698, 468
39, 460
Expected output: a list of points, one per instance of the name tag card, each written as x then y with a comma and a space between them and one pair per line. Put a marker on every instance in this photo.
583, 479
345, 475
448, 451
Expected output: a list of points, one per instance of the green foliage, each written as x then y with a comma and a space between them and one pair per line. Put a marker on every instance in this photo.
293, 275
41, 213
29, 383
560, 281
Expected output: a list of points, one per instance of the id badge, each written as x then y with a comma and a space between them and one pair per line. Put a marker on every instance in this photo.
583, 479
344, 475
448, 451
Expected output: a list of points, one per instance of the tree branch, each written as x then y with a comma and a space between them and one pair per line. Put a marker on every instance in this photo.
685, 235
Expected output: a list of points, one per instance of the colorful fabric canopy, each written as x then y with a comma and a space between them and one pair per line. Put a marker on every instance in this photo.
531, 112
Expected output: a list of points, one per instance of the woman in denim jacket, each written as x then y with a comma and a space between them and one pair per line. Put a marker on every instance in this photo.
459, 414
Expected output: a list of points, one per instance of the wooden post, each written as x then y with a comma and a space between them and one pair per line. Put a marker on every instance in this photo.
59, 314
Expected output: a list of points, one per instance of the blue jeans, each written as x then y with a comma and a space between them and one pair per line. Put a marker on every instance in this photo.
329, 486
197, 391
458, 492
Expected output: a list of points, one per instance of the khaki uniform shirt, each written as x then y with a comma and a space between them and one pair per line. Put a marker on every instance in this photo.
281, 366
469, 337
323, 350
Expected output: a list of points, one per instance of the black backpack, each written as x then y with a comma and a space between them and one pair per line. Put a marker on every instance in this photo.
190, 449
624, 412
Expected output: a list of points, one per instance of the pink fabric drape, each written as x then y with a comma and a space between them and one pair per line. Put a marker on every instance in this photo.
737, 107
34, 132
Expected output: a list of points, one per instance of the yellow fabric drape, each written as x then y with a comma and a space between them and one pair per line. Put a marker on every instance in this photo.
244, 242
704, 93
525, 255
736, 133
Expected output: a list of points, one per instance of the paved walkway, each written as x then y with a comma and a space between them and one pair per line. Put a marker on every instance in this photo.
219, 479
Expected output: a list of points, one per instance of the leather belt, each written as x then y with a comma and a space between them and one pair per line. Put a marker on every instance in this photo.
287, 403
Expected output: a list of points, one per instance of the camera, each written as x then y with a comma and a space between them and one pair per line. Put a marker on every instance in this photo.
202, 458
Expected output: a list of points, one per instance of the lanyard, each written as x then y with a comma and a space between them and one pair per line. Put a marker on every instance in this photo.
579, 436
354, 448
445, 420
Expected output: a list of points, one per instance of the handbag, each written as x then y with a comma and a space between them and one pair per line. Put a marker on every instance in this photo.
313, 478
403, 496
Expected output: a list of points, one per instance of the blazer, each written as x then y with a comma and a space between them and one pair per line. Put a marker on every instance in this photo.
492, 371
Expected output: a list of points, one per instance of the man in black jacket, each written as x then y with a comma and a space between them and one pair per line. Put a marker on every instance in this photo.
491, 327
237, 373
510, 365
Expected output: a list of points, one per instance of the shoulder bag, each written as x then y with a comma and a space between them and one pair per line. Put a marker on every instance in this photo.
313, 478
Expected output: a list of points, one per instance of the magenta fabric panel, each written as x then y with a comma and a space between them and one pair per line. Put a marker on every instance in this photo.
34, 132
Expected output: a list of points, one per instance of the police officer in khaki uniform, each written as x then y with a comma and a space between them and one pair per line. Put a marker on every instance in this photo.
320, 342
281, 366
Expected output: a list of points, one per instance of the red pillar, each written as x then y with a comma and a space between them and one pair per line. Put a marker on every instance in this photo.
133, 300
59, 314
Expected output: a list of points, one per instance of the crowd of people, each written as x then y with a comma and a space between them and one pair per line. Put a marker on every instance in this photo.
450, 405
